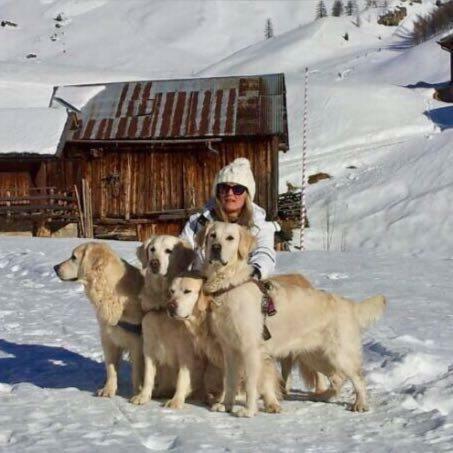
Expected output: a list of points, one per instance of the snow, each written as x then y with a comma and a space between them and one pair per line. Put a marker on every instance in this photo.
51, 363
44, 128
381, 224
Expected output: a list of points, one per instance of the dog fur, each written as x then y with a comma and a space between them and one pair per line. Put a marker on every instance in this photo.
113, 286
323, 329
167, 346
189, 304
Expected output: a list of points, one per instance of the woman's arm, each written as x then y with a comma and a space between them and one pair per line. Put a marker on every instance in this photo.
263, 257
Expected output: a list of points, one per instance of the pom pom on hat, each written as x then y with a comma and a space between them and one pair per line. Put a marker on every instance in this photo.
237, 172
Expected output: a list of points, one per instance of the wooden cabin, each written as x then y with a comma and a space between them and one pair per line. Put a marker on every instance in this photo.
29, 147
149, 150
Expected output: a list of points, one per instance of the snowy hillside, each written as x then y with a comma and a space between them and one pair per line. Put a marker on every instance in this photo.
51, 363
370, 97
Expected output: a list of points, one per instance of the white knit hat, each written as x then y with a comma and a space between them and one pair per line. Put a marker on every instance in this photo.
237, 172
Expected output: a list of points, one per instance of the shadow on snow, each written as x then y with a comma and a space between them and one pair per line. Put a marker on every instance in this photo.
52, 367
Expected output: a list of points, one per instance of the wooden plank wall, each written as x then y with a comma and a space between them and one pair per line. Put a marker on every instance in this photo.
161, 180
15, 183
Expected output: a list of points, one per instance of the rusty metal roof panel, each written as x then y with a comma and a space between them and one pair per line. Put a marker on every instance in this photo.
178, 109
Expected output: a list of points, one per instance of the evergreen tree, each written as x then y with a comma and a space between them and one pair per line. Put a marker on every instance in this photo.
337, 8
351, 8
321, 10
268, 29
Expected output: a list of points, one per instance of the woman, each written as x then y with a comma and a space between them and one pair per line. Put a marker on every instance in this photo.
233, 193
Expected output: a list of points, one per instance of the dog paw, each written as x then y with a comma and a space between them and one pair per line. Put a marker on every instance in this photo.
174, 403
106, 392
359, 407
140, 399
273, 408
218, 407
245, 412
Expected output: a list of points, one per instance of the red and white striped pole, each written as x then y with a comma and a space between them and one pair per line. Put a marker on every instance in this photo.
303, 210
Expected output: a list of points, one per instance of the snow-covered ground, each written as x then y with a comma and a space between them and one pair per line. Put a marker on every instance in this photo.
51, 363
381, 224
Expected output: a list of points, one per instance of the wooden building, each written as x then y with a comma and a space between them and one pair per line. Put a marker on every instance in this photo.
149, 150
29, 148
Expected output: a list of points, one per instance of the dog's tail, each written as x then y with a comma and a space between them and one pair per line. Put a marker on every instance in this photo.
370, 310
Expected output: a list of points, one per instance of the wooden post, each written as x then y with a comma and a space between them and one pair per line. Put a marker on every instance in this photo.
79, 208
88, 213
127, 191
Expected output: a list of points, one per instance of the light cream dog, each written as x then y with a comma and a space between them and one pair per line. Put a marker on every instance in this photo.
188, 304
322, 329
112, 285
167, 346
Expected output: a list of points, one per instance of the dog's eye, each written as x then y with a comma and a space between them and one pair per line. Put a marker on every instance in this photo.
73, 257
187, 291
230, 238
168, 251
152, 249
213, 235
171, 292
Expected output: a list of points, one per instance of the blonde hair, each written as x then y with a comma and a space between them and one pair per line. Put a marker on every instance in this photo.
245, 218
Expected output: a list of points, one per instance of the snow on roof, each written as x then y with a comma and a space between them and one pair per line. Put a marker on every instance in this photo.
31, 131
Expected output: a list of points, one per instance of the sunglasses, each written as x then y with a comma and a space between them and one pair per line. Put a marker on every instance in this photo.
224, 189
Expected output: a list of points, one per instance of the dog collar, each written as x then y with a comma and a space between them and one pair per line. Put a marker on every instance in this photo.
132, 328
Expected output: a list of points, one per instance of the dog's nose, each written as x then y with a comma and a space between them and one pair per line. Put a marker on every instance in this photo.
56, 268
171, 306
216, 247
154, 264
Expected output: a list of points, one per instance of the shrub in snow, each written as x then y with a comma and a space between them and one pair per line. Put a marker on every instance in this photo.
8, 23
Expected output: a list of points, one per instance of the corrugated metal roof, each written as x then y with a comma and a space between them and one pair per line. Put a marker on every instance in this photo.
178, 109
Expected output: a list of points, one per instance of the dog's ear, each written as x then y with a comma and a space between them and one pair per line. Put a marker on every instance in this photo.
142, 252
85, 260
182, 257
200, 238
98, 263
247, 243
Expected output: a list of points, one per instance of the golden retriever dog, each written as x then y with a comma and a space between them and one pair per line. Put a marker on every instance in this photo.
322, 329
167, 346
188, 303
312, 380
113, 286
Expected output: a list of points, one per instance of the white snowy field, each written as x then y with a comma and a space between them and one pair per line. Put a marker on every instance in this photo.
51, 363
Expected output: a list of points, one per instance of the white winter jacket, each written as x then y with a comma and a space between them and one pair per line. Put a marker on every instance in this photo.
262, 258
